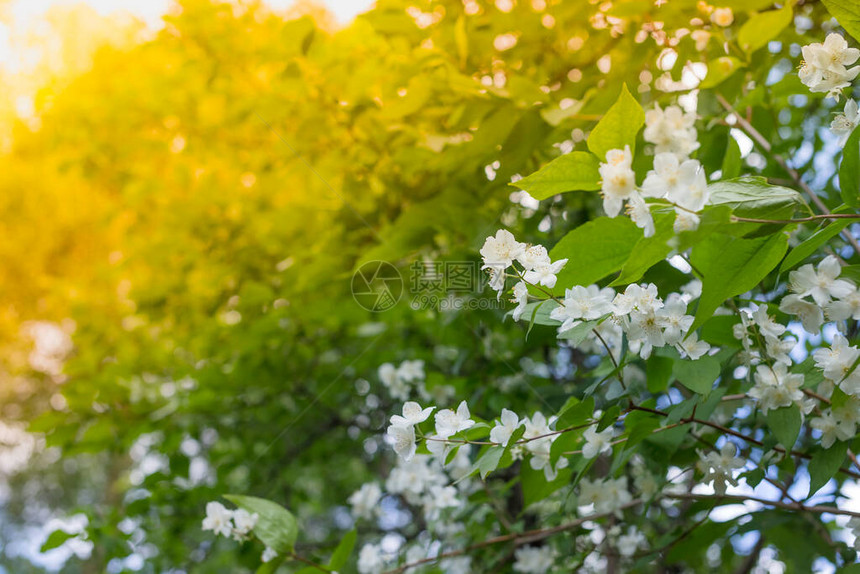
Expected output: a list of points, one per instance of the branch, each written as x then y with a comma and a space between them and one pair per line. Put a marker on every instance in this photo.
795, 176
765, 501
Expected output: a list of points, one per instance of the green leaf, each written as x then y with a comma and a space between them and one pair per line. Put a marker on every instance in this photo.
849, 170
658, 372
56, 539
732, 162
847, 13
618, 127
731, 266
812, 243
276, 526
574, 171
490, 460
648, 251
785, 424
699, 375
537, 313
751, 196
824, 465
343, 550
535, 486
595, 250
763, 27
574, 412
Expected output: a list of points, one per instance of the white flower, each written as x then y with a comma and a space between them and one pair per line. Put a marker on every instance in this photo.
846, 307
640, 213
545, 273
597, 443
832, 429
403, 438
536, 426
629, 543
619, 180
440, 498
365, 499
521, 298
501, 250
691, 191
837, 361
245, 522
606, 495
583, 303
392, 381
692, 347
775, 387
825, 66
497, 279
541, 459
665, 176
843, 124
218, 519
533, 257
720, 467
449, 422
810, 314
269, 554
674, 319
533, 559
636, 297
412, 415
671, 131
411, 370
854, 526
370, 559
501, 433
766, 324
821, 285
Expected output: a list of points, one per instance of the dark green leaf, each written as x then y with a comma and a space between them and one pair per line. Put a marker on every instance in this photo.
699, 375
824, 465
731, 266
595, 249
785, 424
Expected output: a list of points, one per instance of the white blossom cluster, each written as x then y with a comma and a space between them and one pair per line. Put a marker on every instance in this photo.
825, 66
231, 523
425, 482
606, 495
719, 467
638, 312
674, 177
501, 251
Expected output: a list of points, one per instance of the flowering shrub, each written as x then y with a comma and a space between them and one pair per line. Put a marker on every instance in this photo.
661, 201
